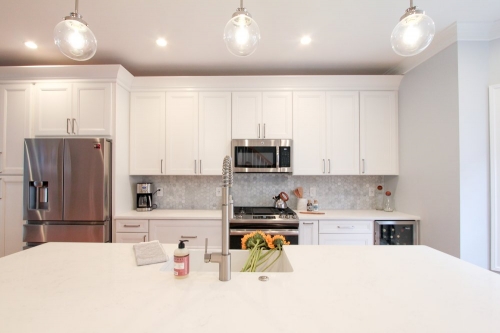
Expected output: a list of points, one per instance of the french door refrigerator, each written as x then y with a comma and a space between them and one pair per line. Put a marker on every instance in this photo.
67, 190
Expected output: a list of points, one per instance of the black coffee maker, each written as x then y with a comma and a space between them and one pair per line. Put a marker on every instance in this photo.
144, 197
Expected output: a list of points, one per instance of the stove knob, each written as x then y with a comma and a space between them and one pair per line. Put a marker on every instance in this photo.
282, 216
238, 216
294, 216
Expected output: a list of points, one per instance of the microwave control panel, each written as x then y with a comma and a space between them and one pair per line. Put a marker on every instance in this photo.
285, 157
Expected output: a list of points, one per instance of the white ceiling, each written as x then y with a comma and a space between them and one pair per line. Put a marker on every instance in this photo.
348, 36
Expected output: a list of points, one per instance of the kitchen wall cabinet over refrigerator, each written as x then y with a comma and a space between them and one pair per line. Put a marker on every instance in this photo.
63, 109
262, 115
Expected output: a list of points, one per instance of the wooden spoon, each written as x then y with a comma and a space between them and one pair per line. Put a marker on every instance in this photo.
296, 192
301, 192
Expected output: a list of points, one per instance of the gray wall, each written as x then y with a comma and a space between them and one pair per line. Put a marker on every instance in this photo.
428, 182
332, 192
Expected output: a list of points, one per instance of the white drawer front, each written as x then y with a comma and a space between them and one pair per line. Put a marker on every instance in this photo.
131, 225
345, 239
345, 227
131, 237
171, 231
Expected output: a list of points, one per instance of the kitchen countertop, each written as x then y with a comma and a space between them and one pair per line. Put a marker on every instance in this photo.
186, 214
83, 287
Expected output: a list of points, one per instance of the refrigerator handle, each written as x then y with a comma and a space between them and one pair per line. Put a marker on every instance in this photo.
67, 125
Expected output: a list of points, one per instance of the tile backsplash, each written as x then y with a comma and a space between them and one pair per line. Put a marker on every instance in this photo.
198, 192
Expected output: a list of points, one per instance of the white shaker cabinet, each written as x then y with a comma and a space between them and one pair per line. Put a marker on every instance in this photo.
15, 109
346, 233
171, 231
379, 133
11, 215
308, 232
132, 231
326, 133
63, 109
147, 133
262, 115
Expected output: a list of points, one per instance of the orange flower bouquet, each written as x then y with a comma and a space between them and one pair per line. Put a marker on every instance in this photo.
258, 242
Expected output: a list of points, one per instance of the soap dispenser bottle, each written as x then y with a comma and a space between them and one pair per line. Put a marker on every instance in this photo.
181, 261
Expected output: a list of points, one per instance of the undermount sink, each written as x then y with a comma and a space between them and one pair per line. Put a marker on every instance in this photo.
238, 260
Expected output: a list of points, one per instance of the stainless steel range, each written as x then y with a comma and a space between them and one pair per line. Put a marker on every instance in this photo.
270, 220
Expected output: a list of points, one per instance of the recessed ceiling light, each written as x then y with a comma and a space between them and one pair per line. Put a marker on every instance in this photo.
161, 42
31, 45
305, 40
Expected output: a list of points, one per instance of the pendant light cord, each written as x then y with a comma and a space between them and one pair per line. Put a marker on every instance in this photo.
76, 6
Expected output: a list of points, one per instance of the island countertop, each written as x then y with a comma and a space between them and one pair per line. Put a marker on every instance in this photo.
77, 287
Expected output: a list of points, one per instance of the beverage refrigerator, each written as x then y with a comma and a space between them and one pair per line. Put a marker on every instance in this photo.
67, 190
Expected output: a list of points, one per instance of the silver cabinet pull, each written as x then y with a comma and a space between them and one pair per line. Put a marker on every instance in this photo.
307, 222
264, 136
131, 225
345, 227
189, 236
144, 237
324, 167
67, 125
329, 166
73, 126
363, 163
161, 165
195, 167
259, 131
200, 168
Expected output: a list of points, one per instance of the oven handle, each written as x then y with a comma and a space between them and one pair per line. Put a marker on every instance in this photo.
272, 232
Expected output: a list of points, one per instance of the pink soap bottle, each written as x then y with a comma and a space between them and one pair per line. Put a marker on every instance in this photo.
181, 261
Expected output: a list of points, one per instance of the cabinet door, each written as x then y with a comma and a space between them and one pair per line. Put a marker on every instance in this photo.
15, 103
309, 133
342, 133
182, 134
214, 131
53, 115
277, 115
147, 133
171, 231
92, 109
247, 115
379, 133
11, 214
345, 239
308, 233
131, 237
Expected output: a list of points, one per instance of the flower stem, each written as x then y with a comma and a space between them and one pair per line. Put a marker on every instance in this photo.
279, 250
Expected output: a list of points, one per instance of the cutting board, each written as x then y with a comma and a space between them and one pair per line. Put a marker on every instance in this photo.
312, 212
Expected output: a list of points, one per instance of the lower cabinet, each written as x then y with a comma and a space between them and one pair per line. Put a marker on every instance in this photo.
195, 231
345, 232
132, 231
308, 232
11, 215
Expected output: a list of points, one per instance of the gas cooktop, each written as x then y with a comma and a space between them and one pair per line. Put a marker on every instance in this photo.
264, 213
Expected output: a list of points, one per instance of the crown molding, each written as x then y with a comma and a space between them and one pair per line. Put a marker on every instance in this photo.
458, 31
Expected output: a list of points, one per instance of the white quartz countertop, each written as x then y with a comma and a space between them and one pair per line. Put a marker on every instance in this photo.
82, 287
187, 214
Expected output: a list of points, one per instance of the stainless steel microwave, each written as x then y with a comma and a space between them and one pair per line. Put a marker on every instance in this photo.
262, 155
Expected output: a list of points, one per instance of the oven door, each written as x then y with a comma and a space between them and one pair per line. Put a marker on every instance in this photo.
235, 236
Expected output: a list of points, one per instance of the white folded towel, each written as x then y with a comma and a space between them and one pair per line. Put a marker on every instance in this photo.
149, 253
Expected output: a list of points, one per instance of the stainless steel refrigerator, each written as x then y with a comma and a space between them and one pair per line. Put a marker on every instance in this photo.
67, 190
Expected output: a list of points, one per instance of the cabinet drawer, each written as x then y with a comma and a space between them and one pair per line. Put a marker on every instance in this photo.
132, 226
171, 231
345, 227
345, 239
131, 237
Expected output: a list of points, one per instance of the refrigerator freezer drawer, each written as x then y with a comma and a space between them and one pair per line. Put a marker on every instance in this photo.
42, 233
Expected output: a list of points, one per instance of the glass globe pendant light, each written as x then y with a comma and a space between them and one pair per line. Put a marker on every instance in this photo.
74, 38
241, 34
413, 33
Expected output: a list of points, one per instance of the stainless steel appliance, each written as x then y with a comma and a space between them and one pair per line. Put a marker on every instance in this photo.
396, 233
262, 155
144, 197
67, 190
269, 220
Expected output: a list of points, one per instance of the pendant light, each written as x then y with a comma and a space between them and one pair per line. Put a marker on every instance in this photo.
413, 33
241, 34
74, 38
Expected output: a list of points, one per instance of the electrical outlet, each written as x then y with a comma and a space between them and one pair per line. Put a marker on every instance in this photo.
218, 191
371, 192
159, 192
312, 191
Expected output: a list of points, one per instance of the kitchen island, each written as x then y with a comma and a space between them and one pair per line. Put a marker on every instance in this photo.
76, 287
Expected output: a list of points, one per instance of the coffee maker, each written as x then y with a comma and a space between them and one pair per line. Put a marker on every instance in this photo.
144, 197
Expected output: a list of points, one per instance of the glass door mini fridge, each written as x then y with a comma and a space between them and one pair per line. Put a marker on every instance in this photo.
396, 233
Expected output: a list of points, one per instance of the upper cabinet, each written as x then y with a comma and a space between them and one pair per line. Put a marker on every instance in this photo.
15, 109
379, 133
189, 132
262, 115
63, 109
